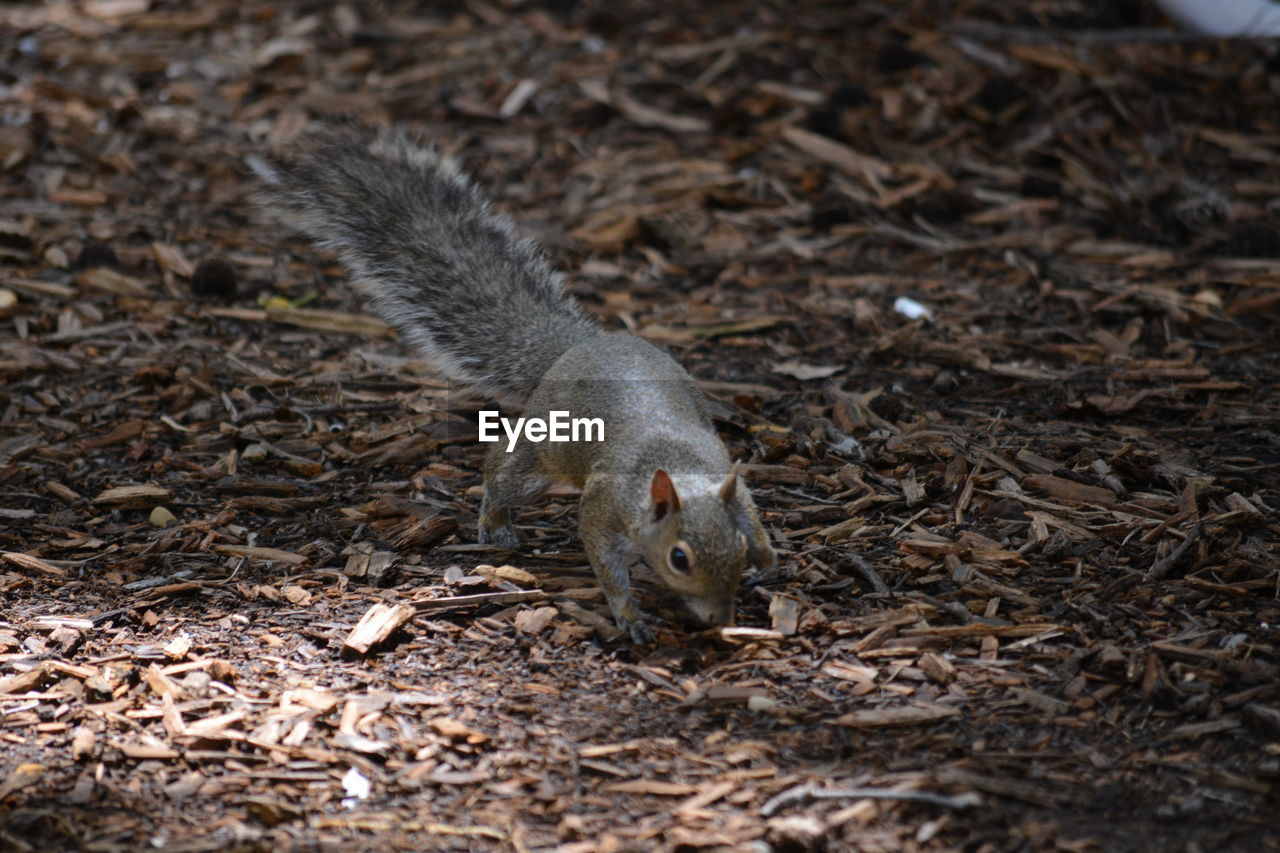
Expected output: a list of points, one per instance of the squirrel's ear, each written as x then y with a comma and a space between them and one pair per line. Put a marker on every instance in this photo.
729, 488
663, 494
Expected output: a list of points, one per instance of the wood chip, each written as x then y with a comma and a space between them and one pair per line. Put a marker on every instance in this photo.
652, 787
133, 497
377, 624
906, 715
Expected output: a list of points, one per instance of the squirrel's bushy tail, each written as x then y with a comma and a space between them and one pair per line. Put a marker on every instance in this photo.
430, 257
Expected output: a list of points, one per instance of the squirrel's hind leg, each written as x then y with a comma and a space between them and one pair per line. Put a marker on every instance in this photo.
510, 479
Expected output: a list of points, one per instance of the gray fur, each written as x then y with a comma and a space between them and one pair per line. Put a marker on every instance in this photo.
429, 256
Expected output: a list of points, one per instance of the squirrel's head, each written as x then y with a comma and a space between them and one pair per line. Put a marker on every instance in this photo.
701, 542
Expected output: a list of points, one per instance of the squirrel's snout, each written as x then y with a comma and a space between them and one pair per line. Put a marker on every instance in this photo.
713, 611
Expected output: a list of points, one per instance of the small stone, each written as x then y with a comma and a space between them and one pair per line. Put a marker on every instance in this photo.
161, 517
196, 683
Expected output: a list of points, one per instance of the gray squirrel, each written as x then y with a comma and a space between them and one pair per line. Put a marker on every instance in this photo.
429, 256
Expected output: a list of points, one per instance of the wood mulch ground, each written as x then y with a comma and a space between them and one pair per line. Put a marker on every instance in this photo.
986, 294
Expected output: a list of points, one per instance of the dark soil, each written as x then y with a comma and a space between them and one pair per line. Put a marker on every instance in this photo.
1030, 551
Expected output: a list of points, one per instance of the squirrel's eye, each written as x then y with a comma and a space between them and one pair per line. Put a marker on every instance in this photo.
679, 560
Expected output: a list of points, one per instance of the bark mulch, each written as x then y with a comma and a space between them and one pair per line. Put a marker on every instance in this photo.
985, 295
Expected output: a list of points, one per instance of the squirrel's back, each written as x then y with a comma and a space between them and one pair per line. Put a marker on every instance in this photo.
429, 255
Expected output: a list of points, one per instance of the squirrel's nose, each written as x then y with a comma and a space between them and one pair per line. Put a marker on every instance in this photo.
713, 611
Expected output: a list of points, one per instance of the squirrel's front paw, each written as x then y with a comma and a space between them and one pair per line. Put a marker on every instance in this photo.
504, 536
641, 634
630, 619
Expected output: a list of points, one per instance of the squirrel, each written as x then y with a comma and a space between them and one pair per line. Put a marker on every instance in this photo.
430, 257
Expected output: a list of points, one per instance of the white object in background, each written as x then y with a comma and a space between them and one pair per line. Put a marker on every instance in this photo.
911, 309
1226, 17
357, 786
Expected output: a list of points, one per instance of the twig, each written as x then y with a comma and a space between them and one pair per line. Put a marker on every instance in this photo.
1160, 568
869, 574
149, 583
810, 791
941, 246
962, 614
478, 600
